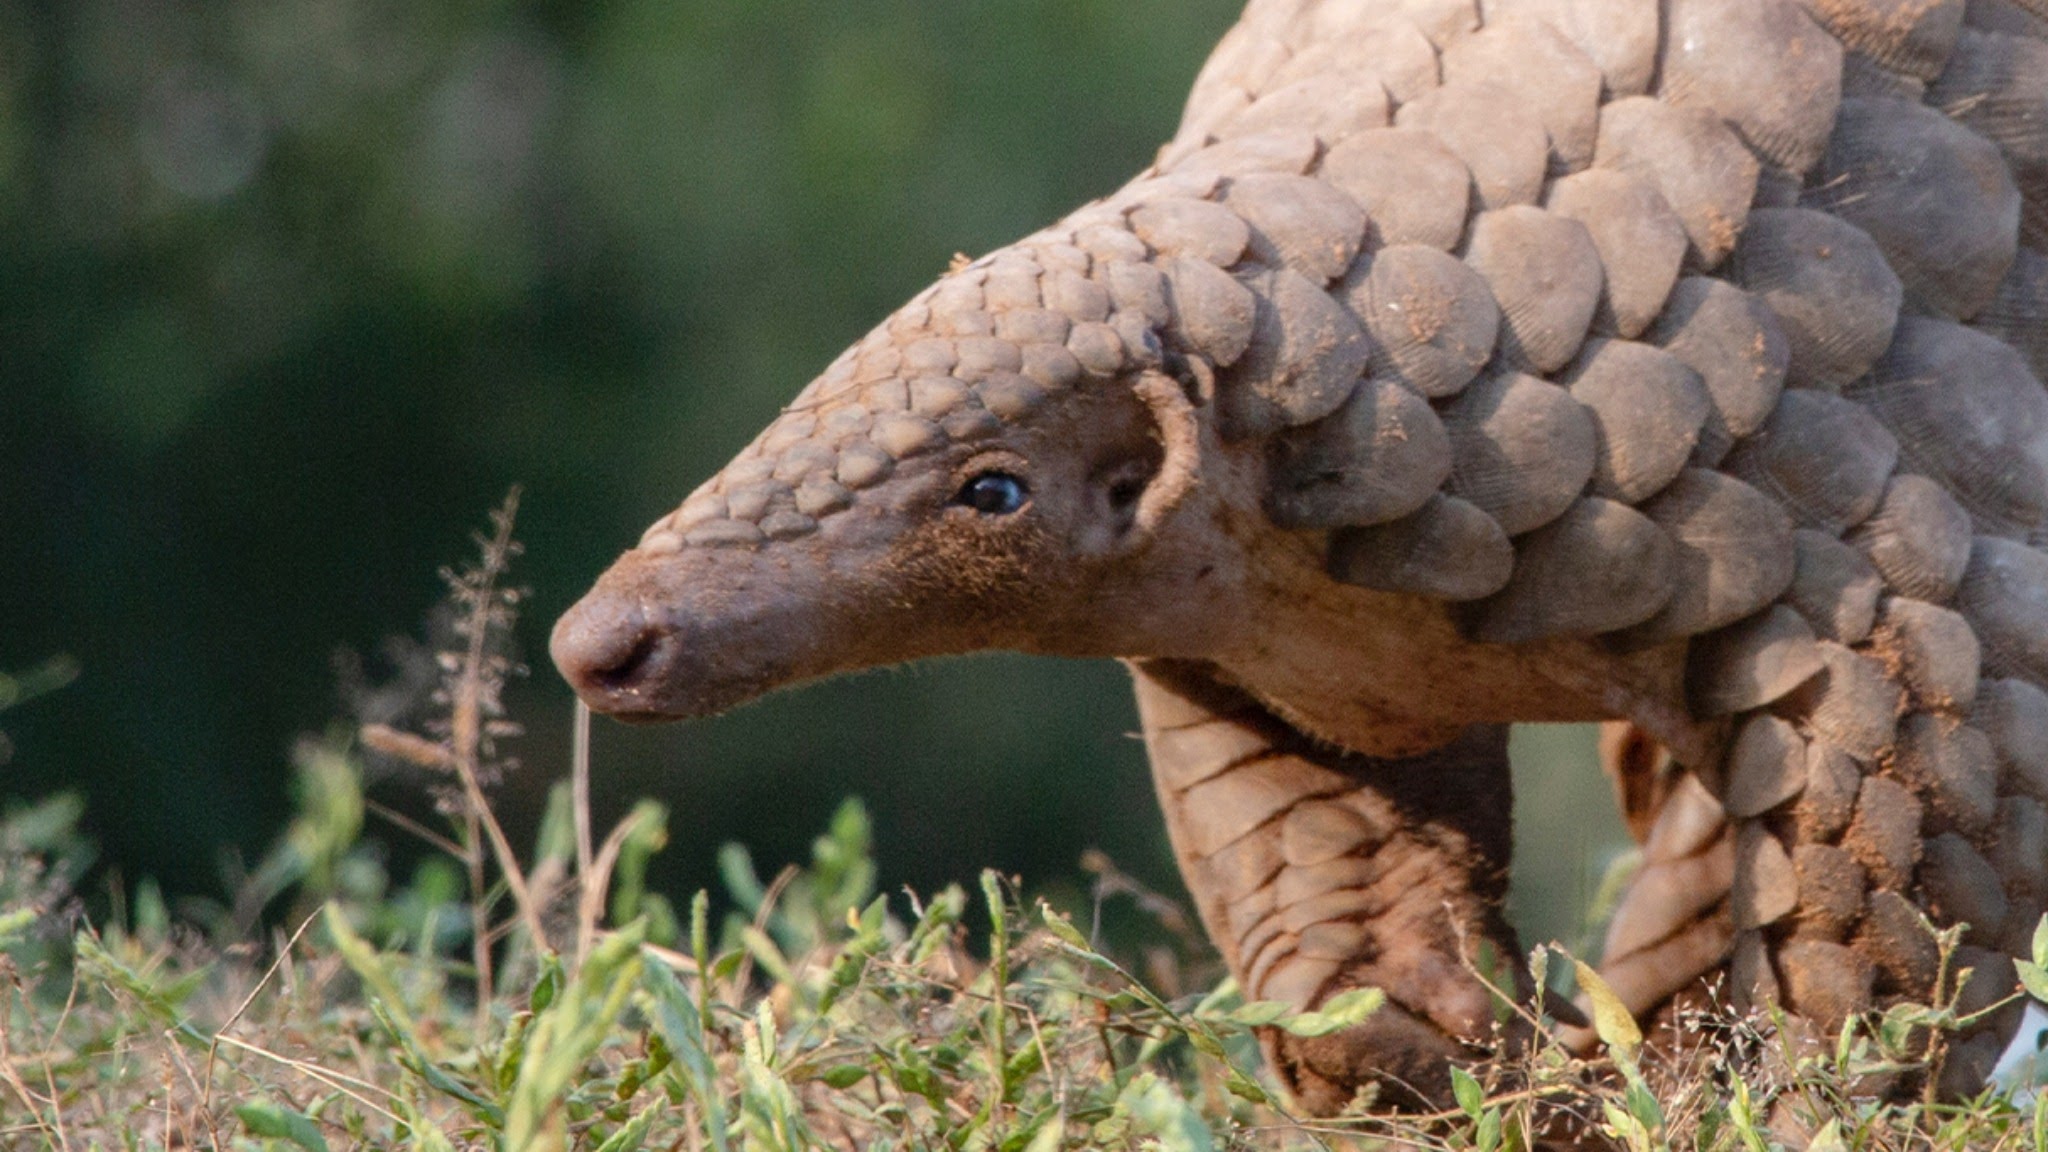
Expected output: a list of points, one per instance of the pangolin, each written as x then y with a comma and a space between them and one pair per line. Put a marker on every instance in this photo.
1458, 364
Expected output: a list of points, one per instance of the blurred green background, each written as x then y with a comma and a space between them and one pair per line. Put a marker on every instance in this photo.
291, 291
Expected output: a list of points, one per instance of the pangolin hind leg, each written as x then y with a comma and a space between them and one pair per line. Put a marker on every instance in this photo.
1672, 929
1316, 870
1880, 785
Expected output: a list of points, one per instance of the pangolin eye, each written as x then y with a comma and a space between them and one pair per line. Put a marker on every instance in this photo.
993, 494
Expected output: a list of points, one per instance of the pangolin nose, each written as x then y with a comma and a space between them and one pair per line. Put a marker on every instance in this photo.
611, 653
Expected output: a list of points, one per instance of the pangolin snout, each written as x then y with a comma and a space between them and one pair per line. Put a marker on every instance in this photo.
615, 655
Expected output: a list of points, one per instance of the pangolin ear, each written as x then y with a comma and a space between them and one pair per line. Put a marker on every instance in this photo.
1180, 440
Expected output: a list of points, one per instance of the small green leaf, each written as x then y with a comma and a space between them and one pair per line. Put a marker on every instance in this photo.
1063, 928
548, 986
1612, 1021
158, 997
1049, 1136
2041, 943
415, 1060
15, 925
426, 1137
681, 1027
1828, 1139
1339, 1012
1159, 1111
1204, 1040
999, 921
1486, 1134
1259, 1013
271, 1122
1471, 1097
1643, 1106
843, 1076
2034, 978
761, 947
630, 1135
1620, 1122
736, 868
1238, 1085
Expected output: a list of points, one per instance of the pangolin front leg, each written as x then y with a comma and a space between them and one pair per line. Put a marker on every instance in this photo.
1316, 870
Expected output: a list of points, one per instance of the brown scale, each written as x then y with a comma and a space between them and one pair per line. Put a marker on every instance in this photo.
1762, 65
1619, 36
1967, 413
1305, 356
1917, 537
1599, 567
2014, 714
1911, 37
2011, 17
1394, 50
1750, 664
1936, 197
1444, 22
1997, 86
1648, 409
1733, 341
1830, 288
1501, 141
1298, 223
1641, 242
1521, 449
2018, 313
1377, 459
1541, 66
1692, 158
1936, 654
1545, 274
1734, 555
1766, 766
2004, 596
1432, 319
1413, 188
1450, 549
1333, 105
1833, 587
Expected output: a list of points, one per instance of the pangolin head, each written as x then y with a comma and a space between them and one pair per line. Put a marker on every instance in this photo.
989, 468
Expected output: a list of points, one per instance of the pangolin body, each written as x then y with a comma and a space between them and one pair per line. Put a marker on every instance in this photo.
1669, 361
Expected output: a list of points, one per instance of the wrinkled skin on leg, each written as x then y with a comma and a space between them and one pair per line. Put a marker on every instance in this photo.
1317, 870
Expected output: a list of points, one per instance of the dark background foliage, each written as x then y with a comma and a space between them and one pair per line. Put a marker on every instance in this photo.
292, 290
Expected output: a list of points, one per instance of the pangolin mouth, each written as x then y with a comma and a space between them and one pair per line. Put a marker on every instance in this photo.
642, 719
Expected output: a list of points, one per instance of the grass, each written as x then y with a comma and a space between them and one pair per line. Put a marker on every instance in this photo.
544, 999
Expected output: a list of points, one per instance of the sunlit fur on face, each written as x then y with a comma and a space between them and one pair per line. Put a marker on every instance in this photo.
1021, 578
908, 570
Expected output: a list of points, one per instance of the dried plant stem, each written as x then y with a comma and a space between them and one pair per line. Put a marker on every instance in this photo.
479, 916
399, 819
466, 740
213, 1049
508, 864
54, 1124
596, 880
579, 786
350, 1086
